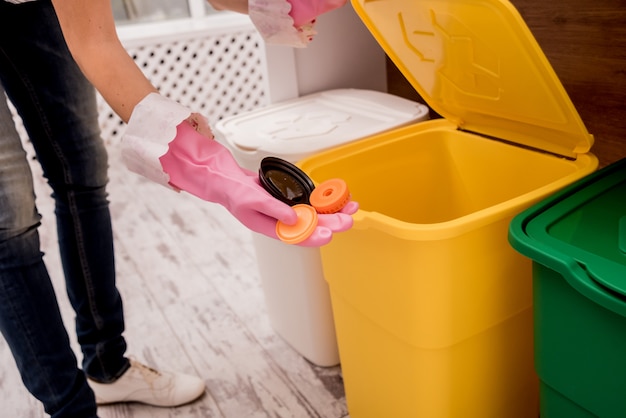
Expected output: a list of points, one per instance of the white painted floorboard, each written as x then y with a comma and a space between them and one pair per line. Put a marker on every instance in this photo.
193, 302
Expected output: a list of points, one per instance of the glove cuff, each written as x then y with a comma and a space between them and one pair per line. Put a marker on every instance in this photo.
151, 127
272, 20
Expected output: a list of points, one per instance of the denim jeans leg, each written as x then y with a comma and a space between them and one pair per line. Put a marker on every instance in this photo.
58, 106
30, 319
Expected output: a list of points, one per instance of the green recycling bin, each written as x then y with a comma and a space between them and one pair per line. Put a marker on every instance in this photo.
577, 241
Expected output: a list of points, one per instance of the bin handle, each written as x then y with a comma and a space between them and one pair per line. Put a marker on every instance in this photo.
364, 219
595, 272
360, 219
586, 280
621, 234
598, 268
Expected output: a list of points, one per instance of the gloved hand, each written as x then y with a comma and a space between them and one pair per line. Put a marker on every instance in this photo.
305, 12
206, 169
289, 22
189, 160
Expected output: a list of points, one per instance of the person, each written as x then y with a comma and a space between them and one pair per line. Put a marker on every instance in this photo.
52, 55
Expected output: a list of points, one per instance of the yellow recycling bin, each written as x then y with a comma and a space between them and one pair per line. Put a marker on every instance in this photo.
432, 306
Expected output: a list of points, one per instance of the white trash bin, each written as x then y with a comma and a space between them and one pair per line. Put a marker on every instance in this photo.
296, 293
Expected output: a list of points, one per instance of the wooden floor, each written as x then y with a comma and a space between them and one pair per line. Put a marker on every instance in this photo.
193, 303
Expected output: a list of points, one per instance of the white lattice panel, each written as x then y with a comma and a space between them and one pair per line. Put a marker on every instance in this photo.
217, 73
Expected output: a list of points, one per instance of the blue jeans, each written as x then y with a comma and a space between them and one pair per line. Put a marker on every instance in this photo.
58, 107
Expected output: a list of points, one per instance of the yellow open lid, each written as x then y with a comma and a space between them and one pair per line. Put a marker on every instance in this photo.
477, 64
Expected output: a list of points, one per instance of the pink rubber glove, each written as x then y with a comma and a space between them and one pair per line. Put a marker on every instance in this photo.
304, 12
206, 169
289, 22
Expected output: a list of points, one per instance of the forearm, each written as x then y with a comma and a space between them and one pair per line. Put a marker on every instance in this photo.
89, 30
240, 6
117, 78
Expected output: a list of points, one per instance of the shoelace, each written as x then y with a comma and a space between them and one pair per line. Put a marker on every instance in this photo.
148, 373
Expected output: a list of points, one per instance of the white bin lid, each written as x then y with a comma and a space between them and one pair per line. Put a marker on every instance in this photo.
298, 128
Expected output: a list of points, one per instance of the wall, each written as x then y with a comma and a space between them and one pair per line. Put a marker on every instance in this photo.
342, 55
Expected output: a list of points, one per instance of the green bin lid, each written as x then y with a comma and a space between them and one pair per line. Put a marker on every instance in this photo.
580, 232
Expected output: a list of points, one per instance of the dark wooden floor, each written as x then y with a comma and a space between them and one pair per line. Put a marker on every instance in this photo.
585, 41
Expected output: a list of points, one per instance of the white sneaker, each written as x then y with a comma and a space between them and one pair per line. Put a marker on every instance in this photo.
141, 383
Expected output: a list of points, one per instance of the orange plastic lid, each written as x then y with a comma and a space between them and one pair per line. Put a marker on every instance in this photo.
302, 229
330, 196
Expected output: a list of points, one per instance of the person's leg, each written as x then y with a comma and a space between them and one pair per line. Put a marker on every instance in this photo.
30, 319
58, 107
